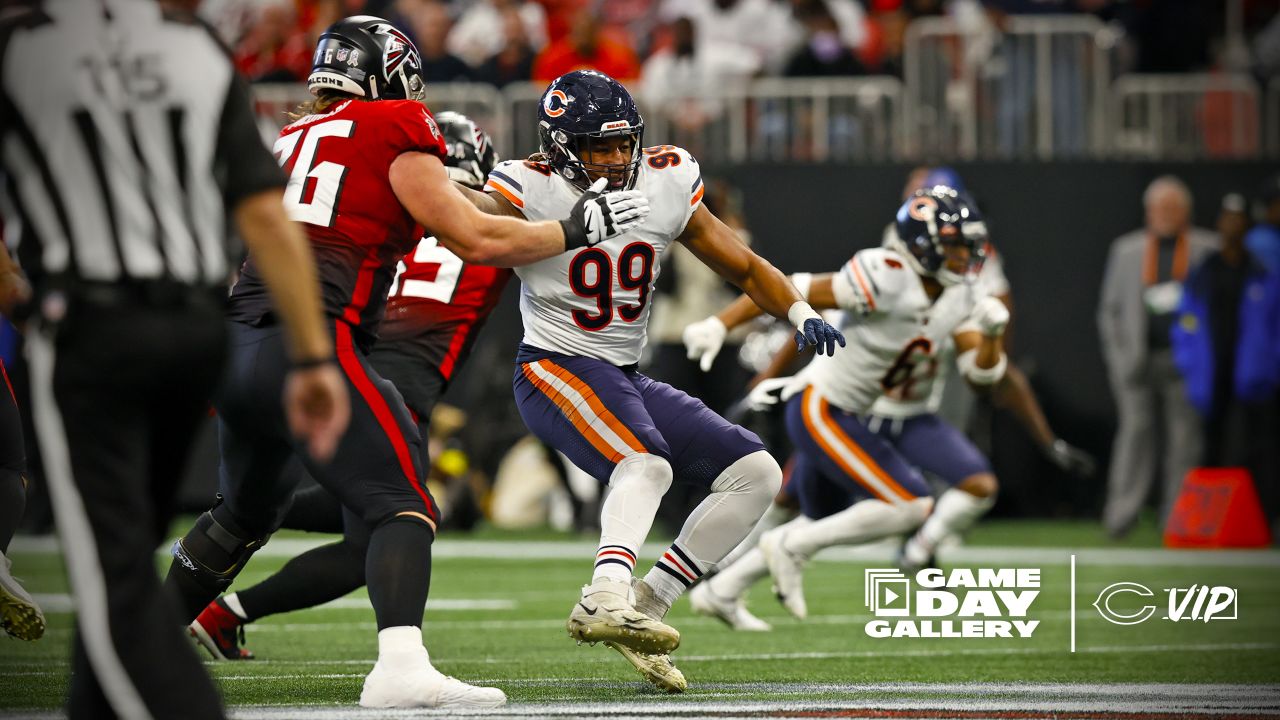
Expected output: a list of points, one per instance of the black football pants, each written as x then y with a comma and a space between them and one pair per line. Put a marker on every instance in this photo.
118, 392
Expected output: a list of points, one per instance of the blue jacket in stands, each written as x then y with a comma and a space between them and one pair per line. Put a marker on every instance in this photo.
1257, 372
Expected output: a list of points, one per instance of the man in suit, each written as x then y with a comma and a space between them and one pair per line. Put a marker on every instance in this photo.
1140, 294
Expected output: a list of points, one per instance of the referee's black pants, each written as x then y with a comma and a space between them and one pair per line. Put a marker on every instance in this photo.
119, 388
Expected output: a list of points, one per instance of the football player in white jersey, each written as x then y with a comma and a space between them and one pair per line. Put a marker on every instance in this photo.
585, 319
901, 304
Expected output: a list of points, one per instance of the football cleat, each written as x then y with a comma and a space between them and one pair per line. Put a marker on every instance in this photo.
221, 632
657, 669
787, 570
732, 612
604, 614
913, 557
422, 686
20, 616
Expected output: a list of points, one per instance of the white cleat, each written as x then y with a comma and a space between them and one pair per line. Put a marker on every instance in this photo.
657, 669
419, 685
732, 612
787, 570
605, 614
20, 616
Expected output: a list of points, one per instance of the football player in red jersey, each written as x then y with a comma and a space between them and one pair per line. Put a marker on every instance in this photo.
365, 176
435, 310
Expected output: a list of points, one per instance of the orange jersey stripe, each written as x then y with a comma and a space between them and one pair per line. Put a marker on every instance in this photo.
862, 283
572, 414
573, 381
697, 196
825, 409
515, 199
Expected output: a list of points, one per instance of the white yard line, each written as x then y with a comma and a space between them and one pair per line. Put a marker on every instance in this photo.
880, 552
61, 603
905, 700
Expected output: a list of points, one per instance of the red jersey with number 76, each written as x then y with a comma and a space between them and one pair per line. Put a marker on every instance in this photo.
338, 162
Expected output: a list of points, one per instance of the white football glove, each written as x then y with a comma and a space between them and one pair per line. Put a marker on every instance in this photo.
703, 340
597, 217
991, 316
774, 390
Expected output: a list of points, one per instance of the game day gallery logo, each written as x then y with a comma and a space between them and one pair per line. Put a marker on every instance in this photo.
961, 603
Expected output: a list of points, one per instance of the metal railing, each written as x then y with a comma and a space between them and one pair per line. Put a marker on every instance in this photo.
1037, 89
1181, 117
1041, 88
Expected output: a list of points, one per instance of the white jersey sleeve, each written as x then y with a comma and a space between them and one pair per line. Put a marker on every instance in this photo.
870, 281
595, 302
507, 179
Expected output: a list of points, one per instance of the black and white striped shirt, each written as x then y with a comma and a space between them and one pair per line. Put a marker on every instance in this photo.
126, 137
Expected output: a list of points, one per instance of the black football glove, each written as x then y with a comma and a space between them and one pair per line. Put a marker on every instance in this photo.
821, 335
598, 217
1071, 459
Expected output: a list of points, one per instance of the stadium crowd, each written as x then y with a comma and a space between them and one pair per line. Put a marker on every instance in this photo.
677, 44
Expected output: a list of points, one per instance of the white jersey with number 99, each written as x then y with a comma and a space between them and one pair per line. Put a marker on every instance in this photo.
594, 302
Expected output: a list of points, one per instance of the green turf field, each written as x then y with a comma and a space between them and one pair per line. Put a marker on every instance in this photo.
500, 607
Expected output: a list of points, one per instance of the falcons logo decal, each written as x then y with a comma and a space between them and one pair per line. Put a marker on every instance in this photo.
397, 50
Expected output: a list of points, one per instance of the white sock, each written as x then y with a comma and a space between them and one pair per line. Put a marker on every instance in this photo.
864, 521
955, 511
733, 581
401, 646
739, 496
772, 518
635, 489
233, 604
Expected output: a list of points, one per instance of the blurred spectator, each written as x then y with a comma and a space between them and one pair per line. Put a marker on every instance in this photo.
514, 62
1226, 344
758, 26
824, 53
482, 32
682, 81
850, 19
586, 48
1140, 294
276, 48
881, 54
429, 23
1264, 239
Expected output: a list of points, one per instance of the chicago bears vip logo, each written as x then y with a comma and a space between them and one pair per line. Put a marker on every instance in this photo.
555, 103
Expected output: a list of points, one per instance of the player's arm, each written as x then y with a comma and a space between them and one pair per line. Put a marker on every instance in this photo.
490, 203
979, 345
424, 189
715, 244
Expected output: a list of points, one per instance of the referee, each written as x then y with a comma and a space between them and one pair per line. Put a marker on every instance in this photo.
126, 141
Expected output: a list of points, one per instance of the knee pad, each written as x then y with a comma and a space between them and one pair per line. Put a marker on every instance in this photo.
212, 555
754, 473
757, 475
645, 470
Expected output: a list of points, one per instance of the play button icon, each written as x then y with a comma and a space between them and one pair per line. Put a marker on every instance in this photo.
889, 597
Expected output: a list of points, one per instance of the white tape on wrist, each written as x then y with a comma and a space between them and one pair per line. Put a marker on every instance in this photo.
968, 364
799, 313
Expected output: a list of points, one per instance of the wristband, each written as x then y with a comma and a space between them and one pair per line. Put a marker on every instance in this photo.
575, 236
799, 313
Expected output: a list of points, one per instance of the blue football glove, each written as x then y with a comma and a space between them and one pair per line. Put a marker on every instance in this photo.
821, 335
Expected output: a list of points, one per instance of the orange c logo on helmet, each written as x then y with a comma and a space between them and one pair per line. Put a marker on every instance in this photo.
918, 208
551, 107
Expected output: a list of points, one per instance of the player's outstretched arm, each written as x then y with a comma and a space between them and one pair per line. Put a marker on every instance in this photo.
423, 187
765, 287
